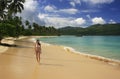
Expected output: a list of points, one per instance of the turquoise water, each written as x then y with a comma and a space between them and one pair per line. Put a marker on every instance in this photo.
106, 46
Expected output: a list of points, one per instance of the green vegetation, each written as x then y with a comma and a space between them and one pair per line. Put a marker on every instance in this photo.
9, 23
70, 30
36, 29
105, 29
12, 25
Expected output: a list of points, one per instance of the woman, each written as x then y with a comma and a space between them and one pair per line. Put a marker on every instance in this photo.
38, 50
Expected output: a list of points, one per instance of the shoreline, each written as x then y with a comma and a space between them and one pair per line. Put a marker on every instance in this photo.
107, 60
96, 57
56, 63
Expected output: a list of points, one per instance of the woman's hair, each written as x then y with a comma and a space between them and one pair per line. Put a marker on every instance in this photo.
38, 42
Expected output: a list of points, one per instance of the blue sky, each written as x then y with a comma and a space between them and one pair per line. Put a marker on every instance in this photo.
76, 13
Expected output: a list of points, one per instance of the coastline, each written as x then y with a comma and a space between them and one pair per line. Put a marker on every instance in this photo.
56, 63
96, 57
10, 40
110, 61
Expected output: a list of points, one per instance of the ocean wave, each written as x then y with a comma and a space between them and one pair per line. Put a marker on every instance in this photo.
96, 57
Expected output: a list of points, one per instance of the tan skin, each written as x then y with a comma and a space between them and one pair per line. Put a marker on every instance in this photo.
38, 50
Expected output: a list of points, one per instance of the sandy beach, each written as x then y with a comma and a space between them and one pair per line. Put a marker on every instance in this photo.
56, 63
7, 41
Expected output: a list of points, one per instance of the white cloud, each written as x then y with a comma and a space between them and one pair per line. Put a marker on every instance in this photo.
80, 21
98, 1
89, 11
72, 4
92, 1
53, 9
68, 11
112, 22
49, 8
57, 21
30, 5
30, 12
42, 16
51, 20
98, 20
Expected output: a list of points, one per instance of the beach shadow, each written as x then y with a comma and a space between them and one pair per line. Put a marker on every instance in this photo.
21, 46
14, 45
8, 45
51, 64
23, 41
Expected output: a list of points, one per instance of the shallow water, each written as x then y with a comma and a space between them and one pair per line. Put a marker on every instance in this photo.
106, 46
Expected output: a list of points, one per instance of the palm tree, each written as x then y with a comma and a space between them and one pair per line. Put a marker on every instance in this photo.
36, 26
27, 23
16, 6
3, 13
3, 6
29, 27
7, 8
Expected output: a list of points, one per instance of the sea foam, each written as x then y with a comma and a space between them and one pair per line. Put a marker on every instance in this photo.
100, 58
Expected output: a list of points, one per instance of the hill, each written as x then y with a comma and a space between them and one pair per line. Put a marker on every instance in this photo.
98, 29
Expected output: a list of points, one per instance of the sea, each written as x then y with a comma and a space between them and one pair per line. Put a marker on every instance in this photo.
103, 46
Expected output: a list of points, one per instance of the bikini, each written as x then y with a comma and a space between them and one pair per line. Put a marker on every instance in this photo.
38, 47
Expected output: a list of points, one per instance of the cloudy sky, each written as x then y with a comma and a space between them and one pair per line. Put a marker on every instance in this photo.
77, 13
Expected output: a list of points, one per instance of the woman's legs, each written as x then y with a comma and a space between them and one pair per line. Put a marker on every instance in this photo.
38, 56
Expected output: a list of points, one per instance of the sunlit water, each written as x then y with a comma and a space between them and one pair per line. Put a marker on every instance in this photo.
106, 46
